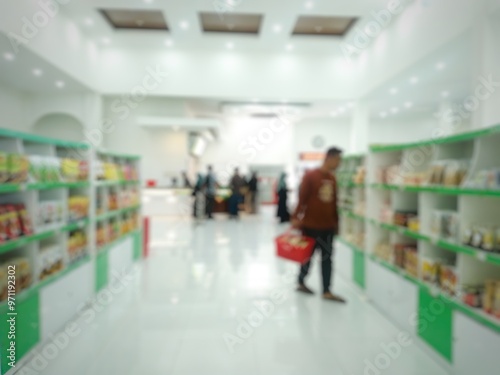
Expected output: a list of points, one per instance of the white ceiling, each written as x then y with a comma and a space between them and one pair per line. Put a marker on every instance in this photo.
276, 12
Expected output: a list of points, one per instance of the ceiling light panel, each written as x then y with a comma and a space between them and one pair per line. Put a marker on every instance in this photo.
231, 23
323, 26
135, 19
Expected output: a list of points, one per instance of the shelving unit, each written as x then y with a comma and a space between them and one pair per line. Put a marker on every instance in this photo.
54, 183
430, 229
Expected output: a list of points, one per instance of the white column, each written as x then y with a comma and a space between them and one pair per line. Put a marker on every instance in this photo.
360, 123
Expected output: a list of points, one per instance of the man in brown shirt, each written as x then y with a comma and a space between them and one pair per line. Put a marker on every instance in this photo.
316, 215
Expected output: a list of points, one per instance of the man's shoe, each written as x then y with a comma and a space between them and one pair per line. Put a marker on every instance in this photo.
304, 289
332, 297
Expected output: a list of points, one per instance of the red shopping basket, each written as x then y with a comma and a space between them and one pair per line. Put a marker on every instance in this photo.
294, 247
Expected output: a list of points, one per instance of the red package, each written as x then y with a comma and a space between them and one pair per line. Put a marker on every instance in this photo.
294, 247
13, 227
3, 224
24, 220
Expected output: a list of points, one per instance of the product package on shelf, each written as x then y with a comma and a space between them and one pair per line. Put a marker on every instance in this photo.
101, 235
472, 295
73, 170
4, 168
402, 218
386, 214
360, 208
485, 179
357, 239
411, 260
448, 278
45, 168
113, 203
114, 230
22, 270
77, 245
14, 222
50, 213
18, 168
491, 298
398, 175
129, 173
430, 270
445, 224
78, 207
128, 198
448, 172
482, 236
360, 175
50, 261
399, 255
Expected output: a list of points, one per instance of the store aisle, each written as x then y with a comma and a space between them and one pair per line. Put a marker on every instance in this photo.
186, 311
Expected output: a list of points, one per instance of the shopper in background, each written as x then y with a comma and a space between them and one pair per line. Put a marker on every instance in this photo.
186, 182
317, 216
282, 191
210, 191
237, 184
198, 194
253, 189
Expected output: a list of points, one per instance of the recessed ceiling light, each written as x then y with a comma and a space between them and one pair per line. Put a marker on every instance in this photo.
393, 91
106, 40
37, 72
148, 1
408, 104
413, 80
229, 45
184, 25
169, 43
289, 47
341, 109
309, 4
440, 65
394, 109
383, 114
334, 114
8, 56
277, 28
445, 94
60, 84
89, 21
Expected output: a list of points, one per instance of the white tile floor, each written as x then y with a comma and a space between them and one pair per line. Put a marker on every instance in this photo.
198, 287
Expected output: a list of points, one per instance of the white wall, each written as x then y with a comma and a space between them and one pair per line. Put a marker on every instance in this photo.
164, 152
334, 132
402, 129
60, 126
13, 110
244, 142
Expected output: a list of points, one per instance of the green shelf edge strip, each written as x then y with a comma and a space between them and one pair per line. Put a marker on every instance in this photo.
353, 156
439, 189
114, 213
352, 246
40, 139
473, 313
482, 255
118, 155
443, 140
23, 241
35, 288
116, 183
107, 247
76, 225
10, 188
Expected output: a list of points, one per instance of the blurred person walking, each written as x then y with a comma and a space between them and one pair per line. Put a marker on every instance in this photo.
210, 191
253, 189
199, 198
237, 184
282, 190
317, 216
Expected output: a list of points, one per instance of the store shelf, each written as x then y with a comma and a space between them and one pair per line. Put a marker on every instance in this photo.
118, 155
446, 190
25, 240
474, 313
351, 214
10, 188
443, 140
49, 280
352, 246
114, 213
120, 239
116, 183
39, 139
79, 224
351, 185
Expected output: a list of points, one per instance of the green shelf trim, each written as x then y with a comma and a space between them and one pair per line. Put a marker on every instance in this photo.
25, 240
353, 156
351, 214
352, 246
476, 314
463, 137
118, 155
350, 185
117, 183
40, 139
9, 188
114, 213
27, 293
57, 185
446, 190
107, 247
79, 224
